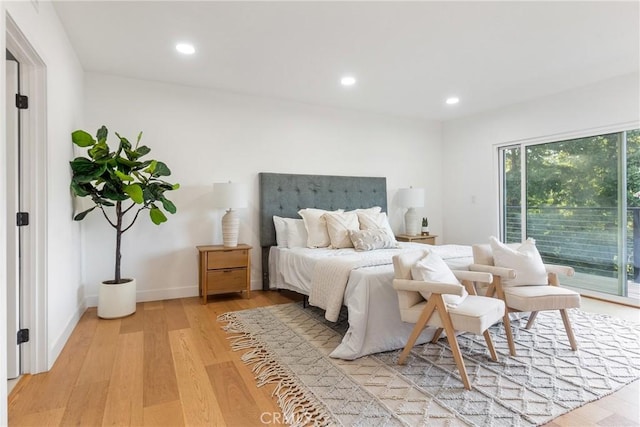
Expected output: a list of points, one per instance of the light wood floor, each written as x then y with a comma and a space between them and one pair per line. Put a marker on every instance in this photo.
171, 364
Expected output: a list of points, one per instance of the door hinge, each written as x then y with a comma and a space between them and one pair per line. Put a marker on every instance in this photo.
22, 219
22, 101
23, 336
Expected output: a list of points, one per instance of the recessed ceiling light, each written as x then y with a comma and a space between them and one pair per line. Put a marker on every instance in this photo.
185, 48
348, 81
452, 100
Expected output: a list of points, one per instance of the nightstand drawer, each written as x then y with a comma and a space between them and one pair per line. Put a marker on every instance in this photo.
231, 280
227, 259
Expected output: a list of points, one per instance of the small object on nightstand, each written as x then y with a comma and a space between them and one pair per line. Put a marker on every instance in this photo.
428, 240
224, 270
425, 226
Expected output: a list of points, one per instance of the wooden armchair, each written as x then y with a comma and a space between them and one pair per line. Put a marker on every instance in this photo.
532, 297
473, 314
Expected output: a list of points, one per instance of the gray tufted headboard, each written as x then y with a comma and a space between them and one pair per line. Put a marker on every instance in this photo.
285, 194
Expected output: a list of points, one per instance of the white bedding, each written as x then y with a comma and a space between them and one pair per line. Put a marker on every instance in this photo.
372, 303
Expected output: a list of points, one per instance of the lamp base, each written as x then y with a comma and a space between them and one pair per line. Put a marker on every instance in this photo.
230, 229
411, 222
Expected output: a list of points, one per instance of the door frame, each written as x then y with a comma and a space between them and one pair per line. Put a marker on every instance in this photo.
34, 357
12, 200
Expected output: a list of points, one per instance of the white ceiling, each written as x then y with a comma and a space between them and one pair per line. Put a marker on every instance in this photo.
407, 56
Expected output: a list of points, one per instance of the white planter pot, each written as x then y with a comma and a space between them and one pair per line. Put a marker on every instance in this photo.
116, 301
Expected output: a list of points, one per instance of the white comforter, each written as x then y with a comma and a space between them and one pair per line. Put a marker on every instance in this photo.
372, 303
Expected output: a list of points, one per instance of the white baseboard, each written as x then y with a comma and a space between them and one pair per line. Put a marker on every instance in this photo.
59, 343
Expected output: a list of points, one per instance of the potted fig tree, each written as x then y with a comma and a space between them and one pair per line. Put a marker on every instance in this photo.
121, 185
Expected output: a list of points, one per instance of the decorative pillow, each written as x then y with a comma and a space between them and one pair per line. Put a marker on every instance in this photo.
431, 268
368, 240
296, 233
372, 210
373, 221
281, 236
316, 226
338, 227
525, 260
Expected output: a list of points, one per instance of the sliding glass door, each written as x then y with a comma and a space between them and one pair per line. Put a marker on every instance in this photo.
580, 200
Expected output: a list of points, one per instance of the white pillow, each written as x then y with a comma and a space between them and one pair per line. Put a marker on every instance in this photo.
373, 221
338, 227
281, 236
296, 233
372, 210
368, 240
431, 268
525, 260
316, 226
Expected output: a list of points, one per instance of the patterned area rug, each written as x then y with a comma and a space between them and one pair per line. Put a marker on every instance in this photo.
289, 345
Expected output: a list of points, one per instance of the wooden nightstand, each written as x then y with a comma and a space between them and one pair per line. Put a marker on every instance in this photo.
224, 270
428, 240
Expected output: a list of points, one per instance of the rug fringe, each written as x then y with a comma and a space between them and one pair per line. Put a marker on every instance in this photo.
299, 407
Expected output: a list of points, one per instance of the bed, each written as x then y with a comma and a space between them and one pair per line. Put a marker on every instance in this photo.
371, 302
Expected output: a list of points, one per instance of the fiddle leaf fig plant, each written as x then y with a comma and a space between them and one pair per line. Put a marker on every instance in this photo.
120, 184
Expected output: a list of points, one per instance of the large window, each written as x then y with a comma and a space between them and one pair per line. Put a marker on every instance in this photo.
580, 200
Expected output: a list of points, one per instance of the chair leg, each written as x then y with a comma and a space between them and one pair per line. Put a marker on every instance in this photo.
509, 332
453, 343
420, 324
492, 349
532, 318
568, 329
436, 336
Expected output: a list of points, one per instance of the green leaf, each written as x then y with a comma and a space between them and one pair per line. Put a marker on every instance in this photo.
102, 133
139, 138
152, 167
82, 139
122, 176
131, 155
161, 170
82, 165
126, 162
143, 150
81, 215
99, 151
111, 192
80, 190
84, 170
157, 216
175, 186
124, 143
135, 192
168, 205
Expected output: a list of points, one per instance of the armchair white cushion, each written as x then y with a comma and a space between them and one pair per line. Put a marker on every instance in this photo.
431, 268
472, 314
524, 259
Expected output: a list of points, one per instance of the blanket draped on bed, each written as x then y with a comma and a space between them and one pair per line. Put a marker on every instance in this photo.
330, 277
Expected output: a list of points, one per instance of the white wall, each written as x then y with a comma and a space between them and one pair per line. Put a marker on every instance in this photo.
470, 178
210, 136
64, 87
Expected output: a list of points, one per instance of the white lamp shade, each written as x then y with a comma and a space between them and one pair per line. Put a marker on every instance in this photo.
229, 195
411, 197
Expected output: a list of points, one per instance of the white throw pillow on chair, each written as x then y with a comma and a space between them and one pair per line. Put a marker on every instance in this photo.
525, 260
431, 268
